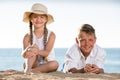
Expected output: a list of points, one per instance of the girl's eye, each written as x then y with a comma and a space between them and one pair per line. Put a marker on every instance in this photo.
41, 16
35, 16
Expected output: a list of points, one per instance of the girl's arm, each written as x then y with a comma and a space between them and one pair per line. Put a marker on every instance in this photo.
49, 45
25, 44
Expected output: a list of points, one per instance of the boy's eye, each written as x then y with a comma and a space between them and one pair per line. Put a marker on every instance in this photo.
91, 40
82, 40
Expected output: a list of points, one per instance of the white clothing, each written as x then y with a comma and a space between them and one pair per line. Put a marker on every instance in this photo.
75, 59
40, 44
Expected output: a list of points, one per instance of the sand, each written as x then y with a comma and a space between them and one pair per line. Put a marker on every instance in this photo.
19, 75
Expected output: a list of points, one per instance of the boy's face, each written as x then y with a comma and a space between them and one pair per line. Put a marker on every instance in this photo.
86, 42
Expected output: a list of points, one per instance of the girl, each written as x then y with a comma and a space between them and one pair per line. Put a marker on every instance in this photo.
38, 45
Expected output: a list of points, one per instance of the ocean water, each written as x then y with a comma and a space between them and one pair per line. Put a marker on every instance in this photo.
10, 58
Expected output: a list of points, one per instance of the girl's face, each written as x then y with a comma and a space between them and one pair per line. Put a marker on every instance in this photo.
86, 42
38, 20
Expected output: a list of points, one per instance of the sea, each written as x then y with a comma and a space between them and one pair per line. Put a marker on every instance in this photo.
11, 58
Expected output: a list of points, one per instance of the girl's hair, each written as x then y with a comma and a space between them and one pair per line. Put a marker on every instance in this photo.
45, 36
31, 33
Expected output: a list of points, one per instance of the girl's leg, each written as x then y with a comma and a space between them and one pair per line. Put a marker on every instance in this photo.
29, 63
47, 67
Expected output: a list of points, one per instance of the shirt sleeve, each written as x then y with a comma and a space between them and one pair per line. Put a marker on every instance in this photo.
71, 59
100, 60
71, 62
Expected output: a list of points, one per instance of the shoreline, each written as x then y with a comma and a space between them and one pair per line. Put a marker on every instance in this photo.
58, 75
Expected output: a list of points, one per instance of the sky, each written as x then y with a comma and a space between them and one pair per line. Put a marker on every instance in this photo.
69, 15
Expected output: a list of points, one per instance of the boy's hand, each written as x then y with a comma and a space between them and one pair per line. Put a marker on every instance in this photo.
95, 69
88, 68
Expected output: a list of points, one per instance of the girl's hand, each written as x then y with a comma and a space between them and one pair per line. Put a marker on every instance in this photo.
29, 54
31, 51
35, 49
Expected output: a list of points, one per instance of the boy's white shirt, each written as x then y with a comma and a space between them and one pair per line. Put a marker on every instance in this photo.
75, 59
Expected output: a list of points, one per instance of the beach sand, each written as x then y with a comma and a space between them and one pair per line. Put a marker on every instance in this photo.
19, 75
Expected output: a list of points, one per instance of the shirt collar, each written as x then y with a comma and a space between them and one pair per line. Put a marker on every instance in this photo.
90, 55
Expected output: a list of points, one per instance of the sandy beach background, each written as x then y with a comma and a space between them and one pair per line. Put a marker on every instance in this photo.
19, 75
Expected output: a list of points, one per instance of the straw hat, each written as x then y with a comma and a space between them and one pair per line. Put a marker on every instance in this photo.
38, 9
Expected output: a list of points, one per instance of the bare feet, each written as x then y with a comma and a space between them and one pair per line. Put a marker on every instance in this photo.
27, 71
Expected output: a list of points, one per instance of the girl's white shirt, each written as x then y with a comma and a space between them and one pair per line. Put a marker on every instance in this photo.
40, 44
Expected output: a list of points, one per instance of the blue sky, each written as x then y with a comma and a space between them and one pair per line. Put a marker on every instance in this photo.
69, 15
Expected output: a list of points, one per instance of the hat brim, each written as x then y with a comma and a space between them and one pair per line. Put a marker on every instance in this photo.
27, 14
